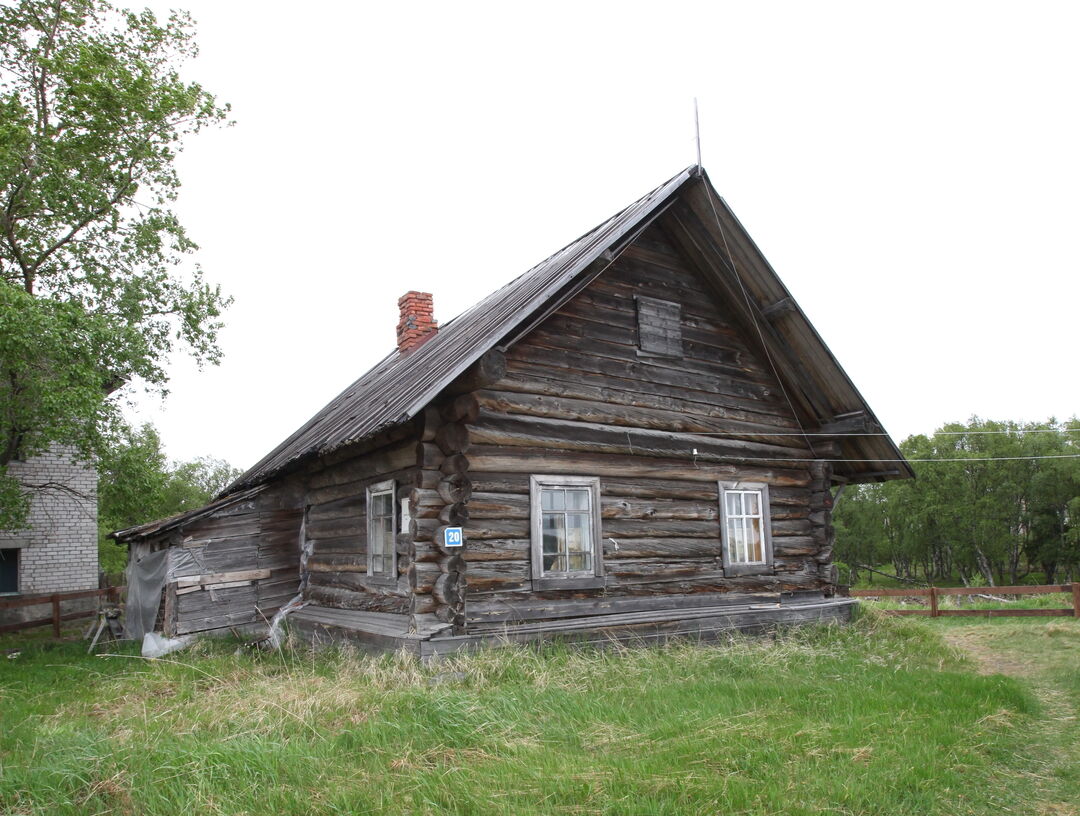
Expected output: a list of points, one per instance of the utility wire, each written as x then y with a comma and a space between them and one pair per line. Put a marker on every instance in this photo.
881, 433
958, 459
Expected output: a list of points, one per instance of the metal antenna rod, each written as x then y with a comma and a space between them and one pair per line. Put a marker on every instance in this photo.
697, 135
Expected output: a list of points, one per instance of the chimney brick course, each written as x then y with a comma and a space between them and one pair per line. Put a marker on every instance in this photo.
417, 322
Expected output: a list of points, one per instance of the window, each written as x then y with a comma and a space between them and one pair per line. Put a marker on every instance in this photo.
745, 528
382, 532
565, 514
659, 327
9, 571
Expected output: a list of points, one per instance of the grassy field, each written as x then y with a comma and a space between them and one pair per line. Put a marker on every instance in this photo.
887, 716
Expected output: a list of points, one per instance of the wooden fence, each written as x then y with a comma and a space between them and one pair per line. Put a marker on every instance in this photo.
55, 600
934, 593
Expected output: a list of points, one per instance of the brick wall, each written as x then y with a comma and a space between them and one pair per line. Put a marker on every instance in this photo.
58, 552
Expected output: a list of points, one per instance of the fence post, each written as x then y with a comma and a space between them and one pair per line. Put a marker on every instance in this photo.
1076, 600
933, 602
56, 615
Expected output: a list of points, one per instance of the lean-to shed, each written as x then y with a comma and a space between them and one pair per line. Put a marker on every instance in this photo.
639, 437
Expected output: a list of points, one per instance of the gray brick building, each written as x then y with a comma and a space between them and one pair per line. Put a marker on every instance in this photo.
58, 550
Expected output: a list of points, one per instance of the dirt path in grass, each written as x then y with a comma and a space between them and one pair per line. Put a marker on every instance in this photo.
1045, 657
989, 650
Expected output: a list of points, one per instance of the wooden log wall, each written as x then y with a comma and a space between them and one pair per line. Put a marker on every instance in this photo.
336, 524
578, 398
439, 500
245, 564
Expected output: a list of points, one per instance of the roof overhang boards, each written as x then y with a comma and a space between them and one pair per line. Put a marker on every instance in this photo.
688, 231
822, 396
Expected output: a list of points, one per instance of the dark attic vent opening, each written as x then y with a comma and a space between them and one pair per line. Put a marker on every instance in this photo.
659, 327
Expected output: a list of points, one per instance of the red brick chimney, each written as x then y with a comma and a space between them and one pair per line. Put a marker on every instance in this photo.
417, 324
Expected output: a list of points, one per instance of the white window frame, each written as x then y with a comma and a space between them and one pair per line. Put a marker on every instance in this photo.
732, 567
381, 489
570, 580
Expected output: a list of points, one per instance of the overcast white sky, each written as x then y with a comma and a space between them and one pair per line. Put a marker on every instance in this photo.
911, 171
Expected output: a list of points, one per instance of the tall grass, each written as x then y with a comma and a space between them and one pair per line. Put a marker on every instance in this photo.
877, 717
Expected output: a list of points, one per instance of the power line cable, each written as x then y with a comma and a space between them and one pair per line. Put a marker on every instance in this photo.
881, 433
957, 459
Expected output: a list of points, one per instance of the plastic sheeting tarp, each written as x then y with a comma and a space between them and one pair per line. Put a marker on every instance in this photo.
146, 577
155, 645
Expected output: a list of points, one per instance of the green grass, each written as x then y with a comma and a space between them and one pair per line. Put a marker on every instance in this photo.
881, 717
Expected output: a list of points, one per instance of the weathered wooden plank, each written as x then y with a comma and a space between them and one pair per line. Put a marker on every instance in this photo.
609, 413
497, 549
487, 576
1044, 589
625, 547
1006, 613
350, 544
537, 378
221, 577
650, 376
559, 606
396, 457
229, 560
337, 562
620, 528
322, 495
495, 459
188, 626
382, 601
216, 601
223, 585
351, 506
226, 543
733, 372
557, 434
789, 546
644, 570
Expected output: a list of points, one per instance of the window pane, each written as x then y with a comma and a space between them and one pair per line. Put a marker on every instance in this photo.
578, 538
554, 563
755, 539
554, 533
579, 562
734, 506
577, 499
752, 504
552, 499
735, 537
382, 504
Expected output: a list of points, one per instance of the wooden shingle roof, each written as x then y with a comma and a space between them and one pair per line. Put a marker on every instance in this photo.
402, 384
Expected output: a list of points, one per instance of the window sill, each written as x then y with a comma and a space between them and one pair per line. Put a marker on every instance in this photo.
381, 580
734, 570
584, 582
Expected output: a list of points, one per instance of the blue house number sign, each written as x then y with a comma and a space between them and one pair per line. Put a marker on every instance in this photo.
453, 537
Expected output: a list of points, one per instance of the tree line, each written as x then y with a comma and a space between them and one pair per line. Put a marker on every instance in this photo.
138, 484
992, 502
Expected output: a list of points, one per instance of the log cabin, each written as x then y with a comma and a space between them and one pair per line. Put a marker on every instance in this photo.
641, 437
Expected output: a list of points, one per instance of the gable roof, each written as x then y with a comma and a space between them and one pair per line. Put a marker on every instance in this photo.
401, 385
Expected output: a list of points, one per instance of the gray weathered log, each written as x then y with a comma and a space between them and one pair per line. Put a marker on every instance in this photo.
452, 438
455, 488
